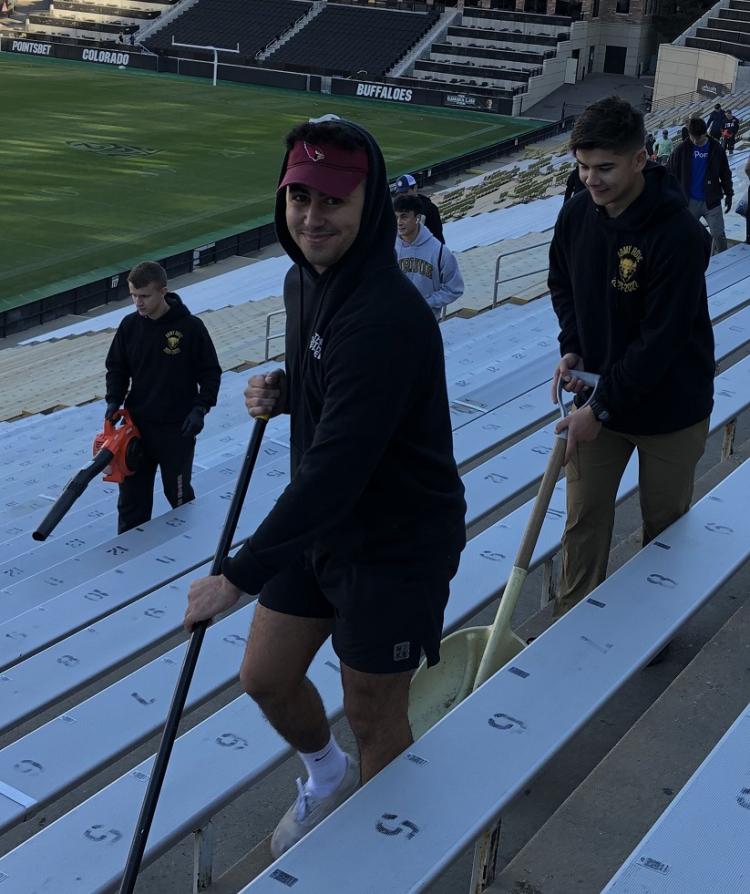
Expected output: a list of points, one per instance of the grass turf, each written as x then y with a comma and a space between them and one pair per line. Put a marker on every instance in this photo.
105, 167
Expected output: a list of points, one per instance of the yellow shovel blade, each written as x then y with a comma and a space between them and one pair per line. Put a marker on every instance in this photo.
437, 690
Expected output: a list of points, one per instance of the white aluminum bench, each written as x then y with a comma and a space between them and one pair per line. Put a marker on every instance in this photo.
96, 833
401, 830
700, 842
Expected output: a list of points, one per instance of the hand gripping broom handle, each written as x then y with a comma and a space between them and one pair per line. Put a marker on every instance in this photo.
528, 543
143, 826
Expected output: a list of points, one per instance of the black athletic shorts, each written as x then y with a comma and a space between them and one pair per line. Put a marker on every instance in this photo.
384, 615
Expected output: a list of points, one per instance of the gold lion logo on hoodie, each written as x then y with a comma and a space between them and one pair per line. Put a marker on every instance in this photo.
173, 342
629, 259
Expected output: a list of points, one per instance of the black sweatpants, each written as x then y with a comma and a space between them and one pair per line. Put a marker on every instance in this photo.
166, 449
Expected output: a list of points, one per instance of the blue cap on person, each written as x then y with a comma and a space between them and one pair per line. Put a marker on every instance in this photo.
405, 183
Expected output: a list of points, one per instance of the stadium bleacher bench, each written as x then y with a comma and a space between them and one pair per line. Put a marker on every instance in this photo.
700, 842
401, 830
85, 862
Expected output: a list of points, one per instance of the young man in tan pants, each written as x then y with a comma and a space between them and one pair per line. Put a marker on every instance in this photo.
627, 265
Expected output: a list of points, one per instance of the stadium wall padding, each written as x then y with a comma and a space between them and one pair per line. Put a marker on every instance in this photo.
116, 58
374, 91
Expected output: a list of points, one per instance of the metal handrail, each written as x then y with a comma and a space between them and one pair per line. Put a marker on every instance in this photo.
507, 254
269, 337
668, 102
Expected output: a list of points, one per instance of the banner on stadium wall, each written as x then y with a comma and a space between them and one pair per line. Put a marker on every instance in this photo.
117, 58
384, 92
425, 97
470, 101
711, 88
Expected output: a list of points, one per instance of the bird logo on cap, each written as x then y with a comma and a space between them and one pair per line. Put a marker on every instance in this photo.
313, 153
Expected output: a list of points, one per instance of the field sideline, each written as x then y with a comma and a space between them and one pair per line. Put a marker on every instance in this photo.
105, 167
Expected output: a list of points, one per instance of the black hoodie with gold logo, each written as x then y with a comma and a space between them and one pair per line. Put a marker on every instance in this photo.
165, 367
630, 295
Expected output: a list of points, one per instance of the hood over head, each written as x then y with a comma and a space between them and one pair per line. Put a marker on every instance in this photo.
377, 231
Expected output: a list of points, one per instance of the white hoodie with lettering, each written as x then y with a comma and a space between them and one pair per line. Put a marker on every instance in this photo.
432, 268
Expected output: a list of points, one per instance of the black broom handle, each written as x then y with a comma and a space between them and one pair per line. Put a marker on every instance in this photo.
151, 798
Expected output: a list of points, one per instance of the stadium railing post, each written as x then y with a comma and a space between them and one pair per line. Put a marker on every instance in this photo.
204, 842
727, 445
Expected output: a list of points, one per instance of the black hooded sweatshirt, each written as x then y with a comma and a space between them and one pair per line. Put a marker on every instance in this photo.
630, 295
717, 181
169, 364
374, 480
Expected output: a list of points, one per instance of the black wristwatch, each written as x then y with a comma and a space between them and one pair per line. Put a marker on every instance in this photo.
601, 413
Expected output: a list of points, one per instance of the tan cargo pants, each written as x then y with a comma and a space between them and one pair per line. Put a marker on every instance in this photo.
666, 473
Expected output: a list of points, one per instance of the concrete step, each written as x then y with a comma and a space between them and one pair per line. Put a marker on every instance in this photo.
587, 839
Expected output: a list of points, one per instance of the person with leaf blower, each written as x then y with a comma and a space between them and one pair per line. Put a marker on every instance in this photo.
364, 541
626, 275
163, 366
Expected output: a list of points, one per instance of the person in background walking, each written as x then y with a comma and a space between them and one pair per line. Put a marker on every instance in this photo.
407, 186
650, 139
163, 365
715, 122
423, 259
729, 134
663, 148
702, 168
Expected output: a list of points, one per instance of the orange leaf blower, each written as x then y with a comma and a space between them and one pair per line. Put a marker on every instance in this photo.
118, 452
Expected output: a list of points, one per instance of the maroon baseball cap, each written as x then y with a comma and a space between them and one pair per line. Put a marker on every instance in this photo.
326, 167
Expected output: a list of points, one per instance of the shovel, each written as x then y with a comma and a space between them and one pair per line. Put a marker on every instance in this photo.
471, 656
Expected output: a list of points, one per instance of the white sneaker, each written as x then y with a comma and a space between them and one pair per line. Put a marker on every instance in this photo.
307, 811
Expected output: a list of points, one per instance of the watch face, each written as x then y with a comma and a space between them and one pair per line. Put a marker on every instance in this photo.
600, 414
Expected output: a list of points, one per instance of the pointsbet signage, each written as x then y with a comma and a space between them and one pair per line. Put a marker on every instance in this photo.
118, 58
30, 48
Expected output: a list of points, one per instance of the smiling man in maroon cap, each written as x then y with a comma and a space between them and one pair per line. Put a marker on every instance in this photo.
364, 541
325, 199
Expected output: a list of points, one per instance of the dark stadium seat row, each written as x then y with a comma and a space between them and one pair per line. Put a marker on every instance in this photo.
225, 23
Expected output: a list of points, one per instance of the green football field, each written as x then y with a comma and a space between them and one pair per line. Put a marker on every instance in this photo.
103, 168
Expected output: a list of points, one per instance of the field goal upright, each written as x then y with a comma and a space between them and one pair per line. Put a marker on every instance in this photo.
208, 49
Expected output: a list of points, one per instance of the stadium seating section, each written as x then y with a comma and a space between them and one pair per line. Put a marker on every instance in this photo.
492, 51
345, 40
726, 32
88, 22
224, 23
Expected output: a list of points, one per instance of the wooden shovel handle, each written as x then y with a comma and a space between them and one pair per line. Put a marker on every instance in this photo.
534, 525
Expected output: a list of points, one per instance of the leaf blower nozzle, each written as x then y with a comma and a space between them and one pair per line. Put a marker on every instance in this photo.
118, 452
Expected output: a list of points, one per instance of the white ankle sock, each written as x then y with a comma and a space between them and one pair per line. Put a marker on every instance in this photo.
326, 769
